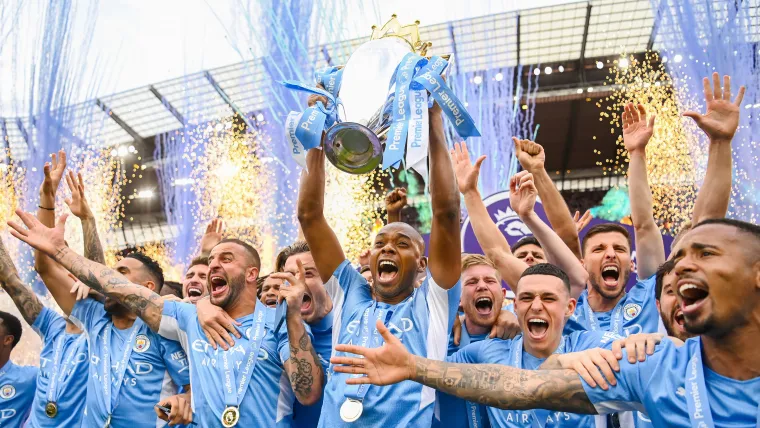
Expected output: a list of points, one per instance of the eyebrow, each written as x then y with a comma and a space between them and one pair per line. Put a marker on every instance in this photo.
695, 246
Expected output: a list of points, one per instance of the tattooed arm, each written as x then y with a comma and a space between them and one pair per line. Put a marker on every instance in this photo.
24, 298
140, 300
303, 367
490, 384
78, 205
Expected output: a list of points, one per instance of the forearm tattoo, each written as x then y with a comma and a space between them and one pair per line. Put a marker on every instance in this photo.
140, 300
93, 250
305, 371
506, 387
23, 297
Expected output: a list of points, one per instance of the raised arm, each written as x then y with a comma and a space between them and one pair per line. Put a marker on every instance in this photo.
23, 297
719, 123
324, 245
303, 367
494, 385
140, 300
490, 238
78, 205
522, 198
53, 275
212, 236
445, 243
650, 250
532, 157
395, 200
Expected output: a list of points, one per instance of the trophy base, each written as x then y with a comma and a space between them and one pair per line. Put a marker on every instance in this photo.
353, 148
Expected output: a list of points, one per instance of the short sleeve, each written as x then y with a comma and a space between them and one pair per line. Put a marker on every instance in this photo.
632, 381
348, 278
87, 313
470, 354
48, 324
177, 316
442, 302
176, 362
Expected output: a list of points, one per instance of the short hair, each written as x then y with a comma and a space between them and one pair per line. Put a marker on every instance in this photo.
663, 270
297, 247
606, 228
547, 269
470, 260
152, 266
743, 226
260, 284
687, 226
525, 240
248, 248
171, 287
12, 327
200, 260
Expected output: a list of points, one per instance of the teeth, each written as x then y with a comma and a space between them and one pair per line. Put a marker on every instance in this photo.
483, 299
387, 263
610, 268
685, 287
537, 320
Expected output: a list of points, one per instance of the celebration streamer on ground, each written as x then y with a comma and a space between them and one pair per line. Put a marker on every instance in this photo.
671, 152
698, 37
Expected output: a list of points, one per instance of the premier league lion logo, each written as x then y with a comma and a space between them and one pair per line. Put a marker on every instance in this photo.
631, 311
7, 391
142, 343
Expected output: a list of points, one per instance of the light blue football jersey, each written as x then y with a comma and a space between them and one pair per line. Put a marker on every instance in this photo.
268, 400
70, 369
156, 368
495, 351
422, 322
635, 313
663, 385
17, 386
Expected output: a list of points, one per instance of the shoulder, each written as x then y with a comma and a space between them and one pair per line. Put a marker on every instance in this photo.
581, 340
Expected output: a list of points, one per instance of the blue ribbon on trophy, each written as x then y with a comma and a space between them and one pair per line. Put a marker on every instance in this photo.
382, 88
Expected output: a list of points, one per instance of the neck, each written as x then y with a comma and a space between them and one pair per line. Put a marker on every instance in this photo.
123, 322
5, 358
474, 329
599, 303
394, 300
242, 307
72, 328
529, 347
730, 355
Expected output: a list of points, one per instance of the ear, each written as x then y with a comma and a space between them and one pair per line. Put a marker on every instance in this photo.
503, 295
423, 264
658, 305
633, 266
756, 268
151, 285
8, 340
252, 274
570, 308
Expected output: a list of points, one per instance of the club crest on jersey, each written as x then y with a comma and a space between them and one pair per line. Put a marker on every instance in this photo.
7, 391
631, 311
142, 343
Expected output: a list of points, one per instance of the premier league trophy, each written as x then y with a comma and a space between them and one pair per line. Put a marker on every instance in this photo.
377, 104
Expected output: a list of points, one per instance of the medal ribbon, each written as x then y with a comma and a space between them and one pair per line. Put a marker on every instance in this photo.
368, 331
474, 415
232, 397
517, 353
56, 378
617, 315
108, 393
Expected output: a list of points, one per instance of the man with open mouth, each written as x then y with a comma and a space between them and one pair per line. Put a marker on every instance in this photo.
270, 290
195, 282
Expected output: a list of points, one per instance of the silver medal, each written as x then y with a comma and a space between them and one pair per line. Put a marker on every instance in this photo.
351, 410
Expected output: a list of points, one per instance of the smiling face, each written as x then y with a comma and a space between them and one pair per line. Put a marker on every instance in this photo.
531, 254
607, 258
482, 295
718, 279
195, 283
543, 305
316, 303
270, 291
395, 260
231, 272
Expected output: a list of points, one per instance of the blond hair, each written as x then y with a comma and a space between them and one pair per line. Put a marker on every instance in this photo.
470, 260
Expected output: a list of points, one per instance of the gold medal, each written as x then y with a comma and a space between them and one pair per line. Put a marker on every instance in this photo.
230, 416
51, 409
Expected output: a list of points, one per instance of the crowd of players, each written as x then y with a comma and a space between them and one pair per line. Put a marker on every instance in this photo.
401, 338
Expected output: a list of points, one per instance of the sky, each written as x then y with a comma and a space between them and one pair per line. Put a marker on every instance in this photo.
139, 42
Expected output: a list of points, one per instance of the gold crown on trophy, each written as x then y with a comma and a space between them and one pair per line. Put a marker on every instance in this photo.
409, 33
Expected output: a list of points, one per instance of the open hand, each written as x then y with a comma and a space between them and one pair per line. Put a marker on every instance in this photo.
530, 154
638, 346
467, 173
53, 171
217, 324
77, 203
293, 289
506, 326
722, 116
212, 236
37, 235
582, 222
522, 193
386, 365
636, 129
596, 366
